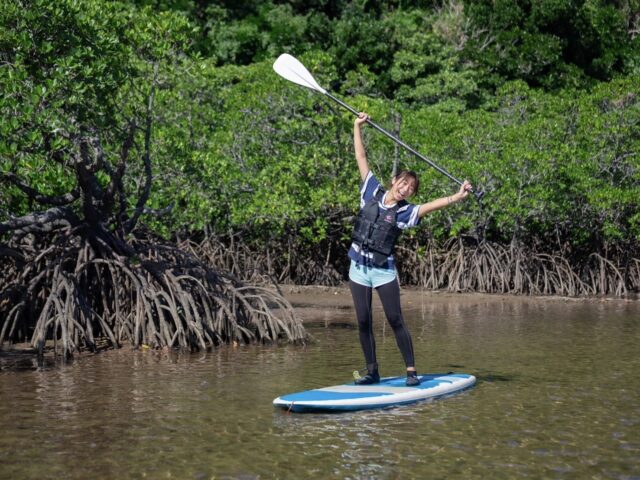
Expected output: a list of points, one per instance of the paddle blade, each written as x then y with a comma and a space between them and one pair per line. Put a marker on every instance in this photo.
290, 68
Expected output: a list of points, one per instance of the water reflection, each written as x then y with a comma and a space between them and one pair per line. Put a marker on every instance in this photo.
557, 397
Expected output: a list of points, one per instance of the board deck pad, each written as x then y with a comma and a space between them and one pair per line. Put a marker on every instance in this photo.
390, 392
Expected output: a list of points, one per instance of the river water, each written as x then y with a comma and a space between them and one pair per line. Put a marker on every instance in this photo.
558, 396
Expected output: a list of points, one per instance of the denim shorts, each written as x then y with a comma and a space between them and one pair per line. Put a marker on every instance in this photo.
371, 276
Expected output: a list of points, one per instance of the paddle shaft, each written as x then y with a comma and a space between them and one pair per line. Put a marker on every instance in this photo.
400, 142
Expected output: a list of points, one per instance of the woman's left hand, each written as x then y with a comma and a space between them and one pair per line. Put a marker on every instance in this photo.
464, 191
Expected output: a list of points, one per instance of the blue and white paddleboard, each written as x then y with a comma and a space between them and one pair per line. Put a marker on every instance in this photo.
390, 392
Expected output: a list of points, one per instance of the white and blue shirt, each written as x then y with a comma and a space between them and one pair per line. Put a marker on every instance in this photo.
406, 217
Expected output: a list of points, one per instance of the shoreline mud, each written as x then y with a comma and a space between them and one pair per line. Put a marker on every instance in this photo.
313, 303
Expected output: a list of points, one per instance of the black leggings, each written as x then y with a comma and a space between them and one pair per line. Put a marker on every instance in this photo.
389, 294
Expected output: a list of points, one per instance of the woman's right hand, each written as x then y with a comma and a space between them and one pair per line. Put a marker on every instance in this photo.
362, 118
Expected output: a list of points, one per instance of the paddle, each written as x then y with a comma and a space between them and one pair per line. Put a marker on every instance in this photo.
290, 68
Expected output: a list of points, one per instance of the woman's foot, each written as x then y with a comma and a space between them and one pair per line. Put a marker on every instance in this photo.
369, 379
412, 378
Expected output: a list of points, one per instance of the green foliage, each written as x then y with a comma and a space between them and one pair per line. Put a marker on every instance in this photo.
266, 31
457, 52
425, 68
558, 169
492, 91
363, 37
256, 154
553, 43
72, 66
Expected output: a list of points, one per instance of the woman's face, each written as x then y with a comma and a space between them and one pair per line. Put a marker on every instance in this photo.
403, 187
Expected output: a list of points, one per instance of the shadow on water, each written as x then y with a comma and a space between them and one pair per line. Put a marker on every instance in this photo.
494, 377
336, 325
24, 360
483, 377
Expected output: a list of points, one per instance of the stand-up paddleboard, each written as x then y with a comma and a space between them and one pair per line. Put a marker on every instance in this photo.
390, 392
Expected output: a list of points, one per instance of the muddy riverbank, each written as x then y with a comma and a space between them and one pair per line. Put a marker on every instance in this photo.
313, 303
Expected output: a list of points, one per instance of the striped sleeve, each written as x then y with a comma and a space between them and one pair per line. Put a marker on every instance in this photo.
408, 216
368, 188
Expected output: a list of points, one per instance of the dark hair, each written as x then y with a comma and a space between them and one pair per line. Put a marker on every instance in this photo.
402, 174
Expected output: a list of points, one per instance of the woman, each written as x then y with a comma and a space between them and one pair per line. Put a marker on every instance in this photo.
383, 215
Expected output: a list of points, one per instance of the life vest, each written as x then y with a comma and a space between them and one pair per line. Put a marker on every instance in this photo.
375, 233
